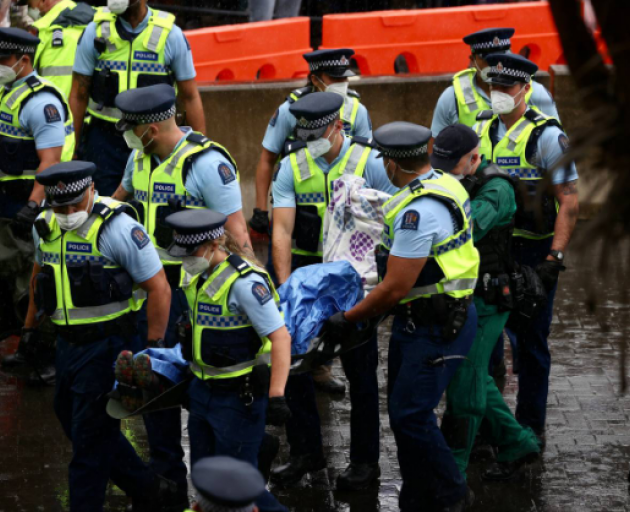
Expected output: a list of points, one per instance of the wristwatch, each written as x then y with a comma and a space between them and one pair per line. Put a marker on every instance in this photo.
558, 255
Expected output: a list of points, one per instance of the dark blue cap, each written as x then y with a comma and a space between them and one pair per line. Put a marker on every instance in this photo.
193, 228
335, 62
227, 484
509, 69
314, 113
402, 140
490, 40
145, 105
16, 40
451, 145
66, 183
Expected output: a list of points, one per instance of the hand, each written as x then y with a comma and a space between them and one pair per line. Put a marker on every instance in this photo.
20, 18
157, 343
339, 328
260, 221
278, 411
548, 271
27, 215
29, 343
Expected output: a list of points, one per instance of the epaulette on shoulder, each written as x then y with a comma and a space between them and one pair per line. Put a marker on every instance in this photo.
299, 93
485, 115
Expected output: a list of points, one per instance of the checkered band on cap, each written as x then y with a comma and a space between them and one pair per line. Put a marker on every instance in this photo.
500, 69
496, 44
68, 189
314, 124
8, 45
403, 153
324, 64
149, 118
198, 238
211, 506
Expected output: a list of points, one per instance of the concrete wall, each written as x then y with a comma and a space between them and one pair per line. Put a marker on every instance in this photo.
237, 115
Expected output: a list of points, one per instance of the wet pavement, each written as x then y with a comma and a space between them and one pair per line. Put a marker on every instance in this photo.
584, 466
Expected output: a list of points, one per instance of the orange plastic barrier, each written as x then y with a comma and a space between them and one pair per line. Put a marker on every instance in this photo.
252, 51
430, 40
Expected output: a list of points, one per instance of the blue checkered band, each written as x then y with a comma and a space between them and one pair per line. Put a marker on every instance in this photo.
164, 197
317, 123
140, 195
51, 257
223, 321
403, 153
312, 198
149, 118
500, 70
68, 189
323, 64
149, 67
69, 129
526, 173
14, 131
18, 48
116, 65
456, 243
198, 238
495, 44
191, 201
78, 258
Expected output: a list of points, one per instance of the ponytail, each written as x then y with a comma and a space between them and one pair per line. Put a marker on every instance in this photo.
228, 243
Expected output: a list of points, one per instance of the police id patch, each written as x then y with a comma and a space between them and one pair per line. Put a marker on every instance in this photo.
274, 118
51, 114
210, 309
261, 292
563, 140
6, 117
78, 247
226, 174
145, 56
139, 237
410, 221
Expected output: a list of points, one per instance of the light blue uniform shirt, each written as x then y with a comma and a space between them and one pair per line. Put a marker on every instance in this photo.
428, 223
284, 187
177, 54
445, 113
282, 123
219, 189
40, 120
136, 254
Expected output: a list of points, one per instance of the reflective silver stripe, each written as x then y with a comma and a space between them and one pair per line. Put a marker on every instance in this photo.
49, 214
481, 126
87, 225
516, 133
395, 201
98, 311
106, 111
13, 97
139, 294
24, 173
220, 280
173, 161
215, 372
156, 33
57, 315
106, 32
320, 246
302, 163
348, 106
456, 285
356, 151
427, 185
55, 71
467, 90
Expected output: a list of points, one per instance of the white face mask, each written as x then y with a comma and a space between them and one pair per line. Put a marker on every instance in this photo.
8, 74
483, 73
74, 220
135, 142
118, 6
194, 265
503, 103
340, 88
34, 13
320, 146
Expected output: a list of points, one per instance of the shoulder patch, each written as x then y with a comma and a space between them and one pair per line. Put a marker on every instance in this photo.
261, 292
274, 118
139, 237
563, 141
51, 113
410, 220
226, 174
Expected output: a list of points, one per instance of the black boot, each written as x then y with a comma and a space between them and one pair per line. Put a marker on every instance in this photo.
293, 471
14, 360
44, 376
502, 471
358, 476
267, 453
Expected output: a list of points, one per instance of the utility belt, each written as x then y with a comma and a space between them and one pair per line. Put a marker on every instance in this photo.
249, 386
79, 335
106, 126
440, 310
495, 291
19, 190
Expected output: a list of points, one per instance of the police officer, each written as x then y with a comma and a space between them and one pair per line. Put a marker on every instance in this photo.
236, 330
227, 484
59, 27
128, 46
301, 187
429, 270
94, 268
473, 395
172, 168
528, 144
35, 133
470, 93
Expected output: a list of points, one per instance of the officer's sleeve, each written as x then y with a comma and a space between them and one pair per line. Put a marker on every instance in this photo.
39, 257
376, 176
551, 146
415, 229
213, 178
127, 180
251, 296
493, 206
363, 124
279, 128
542, 99
125, 242
445, 113
178, 56
86, 55
44, 116
283, 186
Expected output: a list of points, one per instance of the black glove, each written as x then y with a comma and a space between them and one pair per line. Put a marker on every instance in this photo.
339, 328
278, 411
260, 221
29, 343
25, 218
548, 271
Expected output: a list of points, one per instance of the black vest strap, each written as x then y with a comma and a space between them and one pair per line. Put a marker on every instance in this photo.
238, 263
364, 141
300, 93
485, 115
291, 146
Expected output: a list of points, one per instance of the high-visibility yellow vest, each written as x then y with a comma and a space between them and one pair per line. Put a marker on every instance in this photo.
18, 154
347, 113
453, 264
124, 65
225, 344
78, 285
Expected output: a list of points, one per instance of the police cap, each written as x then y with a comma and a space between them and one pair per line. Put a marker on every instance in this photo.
402, 140
145, 105
17, 41
194, 228
490, 40
334, 62
451, 145
66, 183
226, 484
509, 69
314, 113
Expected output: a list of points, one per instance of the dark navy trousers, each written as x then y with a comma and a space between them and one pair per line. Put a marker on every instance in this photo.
429, 472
